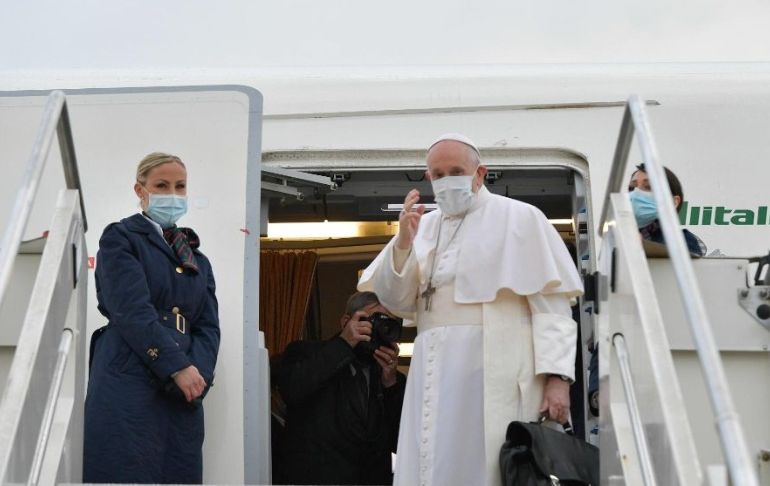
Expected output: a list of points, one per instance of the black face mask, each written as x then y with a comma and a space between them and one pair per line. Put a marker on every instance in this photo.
386, 330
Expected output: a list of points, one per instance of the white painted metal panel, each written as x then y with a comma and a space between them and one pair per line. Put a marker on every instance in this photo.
748, 376
720, 280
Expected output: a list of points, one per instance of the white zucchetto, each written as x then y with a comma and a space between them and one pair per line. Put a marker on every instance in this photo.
457, 137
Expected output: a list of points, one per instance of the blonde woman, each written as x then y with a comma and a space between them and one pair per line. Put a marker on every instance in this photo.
153, 362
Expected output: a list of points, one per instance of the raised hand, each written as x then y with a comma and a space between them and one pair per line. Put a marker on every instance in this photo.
409, 220
356, 330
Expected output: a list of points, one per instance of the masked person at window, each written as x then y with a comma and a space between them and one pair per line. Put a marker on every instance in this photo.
154, 361
343, 403
646, 210
488, 281
646, 213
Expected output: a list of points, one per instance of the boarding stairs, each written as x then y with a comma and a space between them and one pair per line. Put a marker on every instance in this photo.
659, 403
43, 291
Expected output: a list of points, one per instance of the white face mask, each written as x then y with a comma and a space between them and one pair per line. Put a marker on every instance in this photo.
166, 209
454, 194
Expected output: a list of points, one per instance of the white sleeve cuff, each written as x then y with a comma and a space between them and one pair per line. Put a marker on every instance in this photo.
555, 342
400, 258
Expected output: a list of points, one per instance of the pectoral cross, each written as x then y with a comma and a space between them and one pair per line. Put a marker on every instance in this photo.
427, 296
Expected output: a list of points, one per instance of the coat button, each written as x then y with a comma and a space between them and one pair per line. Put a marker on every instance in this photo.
175, 310
179, 269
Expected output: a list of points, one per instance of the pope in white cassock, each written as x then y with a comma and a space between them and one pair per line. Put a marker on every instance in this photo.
488, 282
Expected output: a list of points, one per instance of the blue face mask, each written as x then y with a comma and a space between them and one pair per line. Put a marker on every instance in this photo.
166, 209
645, 209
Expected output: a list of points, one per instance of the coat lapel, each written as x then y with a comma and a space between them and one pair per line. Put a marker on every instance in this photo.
139, 224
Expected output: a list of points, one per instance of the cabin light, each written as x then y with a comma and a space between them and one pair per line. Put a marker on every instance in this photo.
335, 229
330, 229
405, 350
343, 229
396, 208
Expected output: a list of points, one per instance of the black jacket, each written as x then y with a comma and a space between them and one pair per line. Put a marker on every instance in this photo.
334, 433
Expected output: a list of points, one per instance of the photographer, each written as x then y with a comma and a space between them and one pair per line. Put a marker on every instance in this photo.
343, 400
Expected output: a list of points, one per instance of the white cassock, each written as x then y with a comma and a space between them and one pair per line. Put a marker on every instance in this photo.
500, 321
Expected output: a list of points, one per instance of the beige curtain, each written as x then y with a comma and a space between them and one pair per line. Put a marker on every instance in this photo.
285, 282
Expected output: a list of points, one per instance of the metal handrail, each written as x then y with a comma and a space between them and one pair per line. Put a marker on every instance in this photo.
637, 427
731, 435
55, 121
619, 161
50, 408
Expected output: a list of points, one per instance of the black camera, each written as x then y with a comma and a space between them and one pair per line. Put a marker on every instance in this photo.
386, 330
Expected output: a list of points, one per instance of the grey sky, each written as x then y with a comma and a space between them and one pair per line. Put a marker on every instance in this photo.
172, 34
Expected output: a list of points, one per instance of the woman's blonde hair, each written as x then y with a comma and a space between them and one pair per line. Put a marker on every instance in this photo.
153, 160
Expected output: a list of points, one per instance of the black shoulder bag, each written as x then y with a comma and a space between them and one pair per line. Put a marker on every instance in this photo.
534, 455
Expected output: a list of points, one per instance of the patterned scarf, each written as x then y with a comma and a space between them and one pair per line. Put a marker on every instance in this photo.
652, 231
183, 241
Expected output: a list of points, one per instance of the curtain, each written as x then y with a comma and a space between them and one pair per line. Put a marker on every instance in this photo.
285, 283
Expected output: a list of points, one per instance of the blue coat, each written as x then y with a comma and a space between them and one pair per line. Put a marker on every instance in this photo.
134, 430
